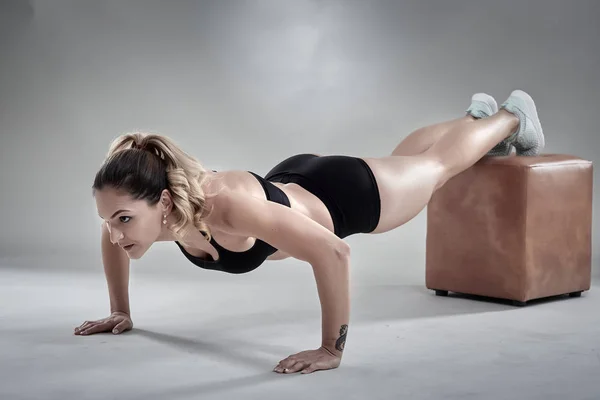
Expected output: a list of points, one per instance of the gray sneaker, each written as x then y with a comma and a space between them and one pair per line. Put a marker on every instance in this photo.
482, 106
529, 137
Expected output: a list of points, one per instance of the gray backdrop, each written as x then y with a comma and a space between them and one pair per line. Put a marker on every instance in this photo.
244, 84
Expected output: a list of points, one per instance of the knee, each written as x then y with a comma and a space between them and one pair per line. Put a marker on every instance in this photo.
443, 172
446, 173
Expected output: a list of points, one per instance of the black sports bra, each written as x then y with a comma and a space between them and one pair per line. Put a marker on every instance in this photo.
235, 262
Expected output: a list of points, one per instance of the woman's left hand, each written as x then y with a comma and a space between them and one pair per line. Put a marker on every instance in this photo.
308, 361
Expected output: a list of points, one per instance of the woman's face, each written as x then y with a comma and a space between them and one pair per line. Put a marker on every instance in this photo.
130, 222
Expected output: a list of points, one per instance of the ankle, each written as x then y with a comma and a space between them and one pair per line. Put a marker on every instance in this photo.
512, 119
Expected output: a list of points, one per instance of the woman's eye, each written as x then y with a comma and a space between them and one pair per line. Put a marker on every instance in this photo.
121, 219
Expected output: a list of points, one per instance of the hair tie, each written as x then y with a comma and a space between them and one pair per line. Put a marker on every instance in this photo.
139, 146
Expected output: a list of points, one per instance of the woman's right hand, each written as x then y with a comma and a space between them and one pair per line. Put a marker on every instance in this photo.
117, 322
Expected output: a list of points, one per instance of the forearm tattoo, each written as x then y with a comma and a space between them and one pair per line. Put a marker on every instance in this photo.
341, 342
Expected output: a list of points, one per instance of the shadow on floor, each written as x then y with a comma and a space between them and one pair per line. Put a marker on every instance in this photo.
238, 353
395, 302
371, 304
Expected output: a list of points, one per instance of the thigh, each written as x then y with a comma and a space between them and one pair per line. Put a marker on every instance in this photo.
406, 185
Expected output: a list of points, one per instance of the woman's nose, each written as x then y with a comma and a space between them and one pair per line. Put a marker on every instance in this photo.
115, 236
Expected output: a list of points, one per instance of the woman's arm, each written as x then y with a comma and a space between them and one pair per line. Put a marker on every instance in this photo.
116, 270
304, 239
333, 285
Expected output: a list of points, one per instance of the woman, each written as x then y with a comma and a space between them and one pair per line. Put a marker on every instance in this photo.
149, 190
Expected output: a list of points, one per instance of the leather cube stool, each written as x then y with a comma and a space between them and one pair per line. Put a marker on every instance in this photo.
514, 228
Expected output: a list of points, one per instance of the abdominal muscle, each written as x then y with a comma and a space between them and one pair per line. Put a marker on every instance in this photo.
300, 199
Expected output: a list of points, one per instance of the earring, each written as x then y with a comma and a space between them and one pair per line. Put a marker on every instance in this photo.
165, 219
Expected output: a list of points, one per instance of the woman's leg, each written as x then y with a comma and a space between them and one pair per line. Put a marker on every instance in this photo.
422, 139
406, 183
482, 106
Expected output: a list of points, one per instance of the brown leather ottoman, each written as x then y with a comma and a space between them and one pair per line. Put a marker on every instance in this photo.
515, 228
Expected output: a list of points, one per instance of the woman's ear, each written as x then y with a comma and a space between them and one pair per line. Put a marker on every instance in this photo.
166, 201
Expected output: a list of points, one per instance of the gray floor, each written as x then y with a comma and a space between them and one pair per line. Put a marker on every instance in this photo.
203, 335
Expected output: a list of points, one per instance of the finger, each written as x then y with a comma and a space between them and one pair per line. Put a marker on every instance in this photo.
288, 362
88, 324
82, 326
285, 363
279, 368
121, 327
96, 328
296, 367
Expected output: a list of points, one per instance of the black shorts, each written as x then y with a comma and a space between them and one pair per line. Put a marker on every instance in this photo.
345, 184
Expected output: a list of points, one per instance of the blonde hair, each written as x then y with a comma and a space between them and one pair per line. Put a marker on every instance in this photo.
144, 164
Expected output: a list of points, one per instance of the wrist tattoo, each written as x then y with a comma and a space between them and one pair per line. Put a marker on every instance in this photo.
341, 342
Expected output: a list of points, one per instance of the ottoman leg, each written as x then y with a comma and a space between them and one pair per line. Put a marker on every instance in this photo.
518, 303
441, 292
575, 294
